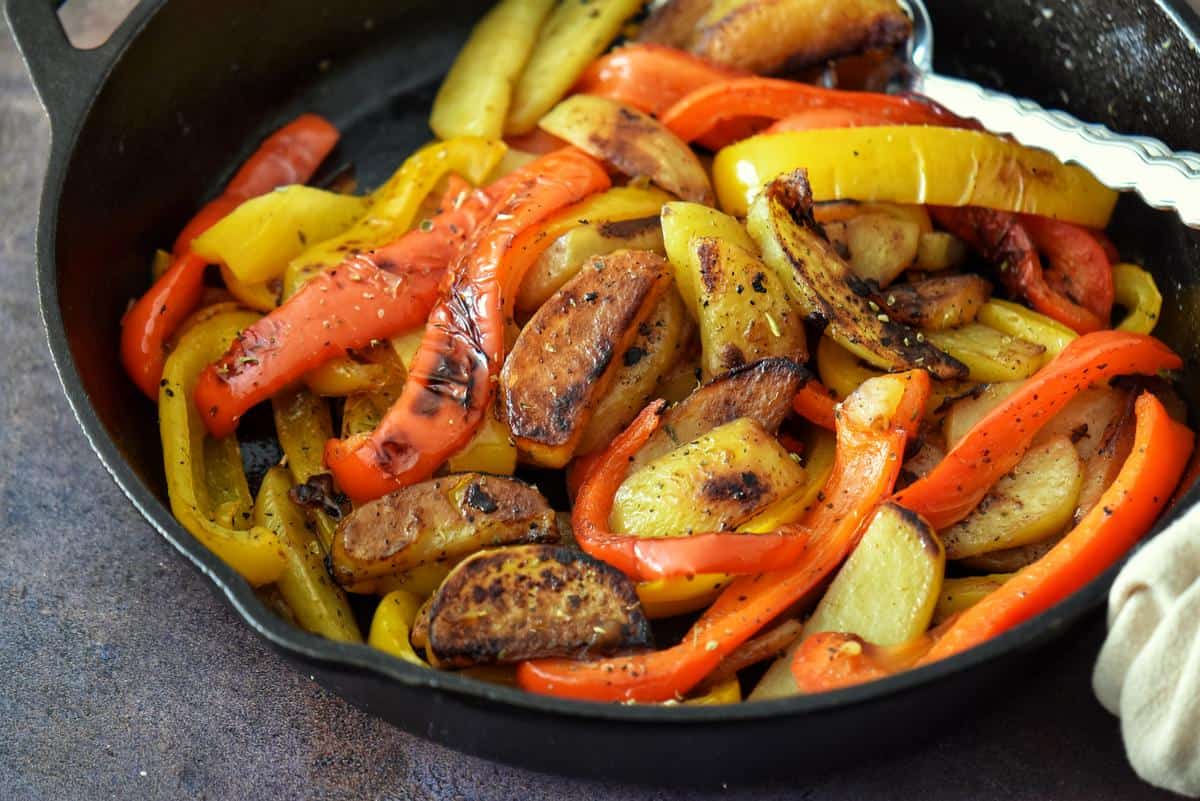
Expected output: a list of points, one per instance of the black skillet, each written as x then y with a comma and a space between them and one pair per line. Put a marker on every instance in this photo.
146, 127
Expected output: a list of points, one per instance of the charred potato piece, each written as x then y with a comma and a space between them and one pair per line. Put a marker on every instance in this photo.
437, 521
674, 22
682, 224
635, 143
826, 290
877, 246
936, 303
745, 314
569, 352
561, 261
714, 483
529, 602
762, 391
658, 345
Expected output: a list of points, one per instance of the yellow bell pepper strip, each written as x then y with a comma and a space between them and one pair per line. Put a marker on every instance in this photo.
475, 95
257, 554
697, 114
914, 164
650, 77
1008, 241
258, 238
344, 376
261, 296
1017, 321
159, 265
288, 156
395, 205
368, 298
392, 625
317, 603
452, 380
819, 455
680, 595
228, 489
873, 427
995, 444
726, 692
1123, 515
1134, 288
302, 426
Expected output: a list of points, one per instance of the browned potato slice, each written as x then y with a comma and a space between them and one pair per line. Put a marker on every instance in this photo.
1010, 560
767, 36
658, 345
561, 261
878, 246
762, 391
1101, 466
569, 352
939, 250
674, 22
1086, 419
532, 601
437, 521
780, 220
633, 142
966, 412
936, 303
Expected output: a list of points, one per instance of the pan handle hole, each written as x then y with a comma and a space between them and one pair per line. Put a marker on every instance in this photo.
89, 23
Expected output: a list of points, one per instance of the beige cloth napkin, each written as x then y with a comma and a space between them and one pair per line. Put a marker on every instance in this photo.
1148, 672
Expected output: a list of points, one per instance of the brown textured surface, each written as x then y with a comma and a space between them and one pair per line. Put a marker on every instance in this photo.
124, 677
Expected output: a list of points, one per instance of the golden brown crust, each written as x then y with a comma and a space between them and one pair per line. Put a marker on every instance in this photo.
567, 354
936, 303
533, 601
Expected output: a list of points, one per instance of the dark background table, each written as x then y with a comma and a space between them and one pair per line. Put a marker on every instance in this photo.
123, 676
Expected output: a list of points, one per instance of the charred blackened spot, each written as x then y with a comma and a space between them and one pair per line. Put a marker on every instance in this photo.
633, 356
732, 356
627, 229
565, 406
604, 356
428, 403
319, 493
477, 498
758, 284
744, 487
395, 457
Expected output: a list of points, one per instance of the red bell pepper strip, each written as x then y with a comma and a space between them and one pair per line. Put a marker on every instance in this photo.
1079, 267
814, 402
872, 431
1119, 519
452, 379
699, 112
649, 558
288, 156
995, 444
1004, 239
821, 118
650, 77
367, 297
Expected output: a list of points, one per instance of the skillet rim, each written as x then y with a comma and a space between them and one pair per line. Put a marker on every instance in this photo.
66, 125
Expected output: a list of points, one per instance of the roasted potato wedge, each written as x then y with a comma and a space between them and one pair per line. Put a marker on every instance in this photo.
561, 261
713, 483
532, 601
490, 450
960, 594
989, 355
962, 416
939, 250
635, 143
437, 521
570, 39
768, 36
1035, 501
936, 303
1101, 465
885, 592
762, 391
745, 314
570, 351
1086, 419
658, 345
684, 222
780, 220
877, 246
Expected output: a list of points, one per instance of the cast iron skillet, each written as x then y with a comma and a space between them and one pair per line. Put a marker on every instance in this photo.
147, 126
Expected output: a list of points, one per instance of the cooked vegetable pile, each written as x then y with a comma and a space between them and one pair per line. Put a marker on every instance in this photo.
837, 381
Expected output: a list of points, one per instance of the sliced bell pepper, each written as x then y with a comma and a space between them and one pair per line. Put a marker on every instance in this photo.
391, 626
1124, 513
650, 77
1134, 288
700, 112
1007, 240
288, 156
816, 404
452, 379
1018, 321
302, 425
995, 444
368, 297
873, 427
914, 164
255, 552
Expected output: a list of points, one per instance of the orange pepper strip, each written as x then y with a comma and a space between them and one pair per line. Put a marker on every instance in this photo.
821, 118
700, 112
1080, 269
871, 440
452, 379
649, 558
368, 296
650, 77
815, 403
1124, 513
288, 156
832, 660
995, 444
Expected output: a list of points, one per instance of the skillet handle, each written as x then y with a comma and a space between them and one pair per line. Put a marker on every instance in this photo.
64, 76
